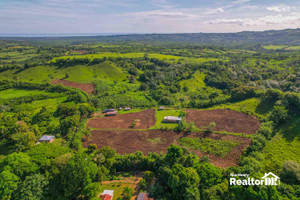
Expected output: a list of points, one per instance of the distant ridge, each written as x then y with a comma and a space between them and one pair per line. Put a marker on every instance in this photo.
284, 37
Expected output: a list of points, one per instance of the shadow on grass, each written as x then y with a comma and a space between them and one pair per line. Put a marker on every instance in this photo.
291, 129
264, 107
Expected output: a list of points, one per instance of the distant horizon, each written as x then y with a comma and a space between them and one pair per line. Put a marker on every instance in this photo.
112, 34
149, 16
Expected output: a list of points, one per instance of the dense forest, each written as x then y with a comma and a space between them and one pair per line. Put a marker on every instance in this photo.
257, 75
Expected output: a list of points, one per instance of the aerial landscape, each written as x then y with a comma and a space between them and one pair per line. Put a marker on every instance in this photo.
161, 115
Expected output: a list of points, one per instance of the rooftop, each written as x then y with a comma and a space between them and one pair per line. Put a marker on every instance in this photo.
47, 137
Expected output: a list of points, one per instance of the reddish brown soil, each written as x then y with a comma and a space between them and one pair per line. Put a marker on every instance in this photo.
87, 87
81, 51
144, 119
226, 120
126, 141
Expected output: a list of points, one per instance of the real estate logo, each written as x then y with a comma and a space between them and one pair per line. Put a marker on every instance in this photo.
267, 179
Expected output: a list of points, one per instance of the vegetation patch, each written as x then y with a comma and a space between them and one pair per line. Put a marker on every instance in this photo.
210, 146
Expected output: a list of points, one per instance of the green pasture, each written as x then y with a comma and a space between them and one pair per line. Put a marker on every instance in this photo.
137, 55
15, 93
78, 73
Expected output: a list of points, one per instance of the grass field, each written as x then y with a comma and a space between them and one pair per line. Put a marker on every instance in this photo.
195, 82
206, 145
160, 114
14, 93
78, 73
138, 55
274, 47
283, 146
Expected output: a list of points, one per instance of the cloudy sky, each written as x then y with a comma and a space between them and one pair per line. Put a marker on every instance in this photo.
146, 16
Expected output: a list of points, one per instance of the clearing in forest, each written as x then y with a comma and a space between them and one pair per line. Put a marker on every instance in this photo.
86, 87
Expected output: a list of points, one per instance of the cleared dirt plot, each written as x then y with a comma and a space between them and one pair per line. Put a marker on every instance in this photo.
226, 120
143, 120
126, 141
86, 87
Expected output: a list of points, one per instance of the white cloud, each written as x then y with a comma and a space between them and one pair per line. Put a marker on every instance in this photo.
292, 19
161, 13
281, 8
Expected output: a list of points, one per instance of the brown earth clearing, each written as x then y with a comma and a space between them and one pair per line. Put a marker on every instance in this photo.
143, 120
130, 141
86, 87
226, 120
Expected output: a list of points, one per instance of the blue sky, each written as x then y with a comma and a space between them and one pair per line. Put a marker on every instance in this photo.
146, 16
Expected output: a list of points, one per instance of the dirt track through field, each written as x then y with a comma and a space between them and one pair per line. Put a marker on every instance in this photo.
130, 141
86, 87
143, 120
226, 120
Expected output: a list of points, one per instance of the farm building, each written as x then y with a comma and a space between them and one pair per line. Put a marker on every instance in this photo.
107, 195
111, 113
143, 196
108, 110
172, 119
127, 108
47, 138
161, 108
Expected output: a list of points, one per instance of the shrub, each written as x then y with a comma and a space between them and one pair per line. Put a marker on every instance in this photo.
211, 127
132, 125
290, 172
92, 147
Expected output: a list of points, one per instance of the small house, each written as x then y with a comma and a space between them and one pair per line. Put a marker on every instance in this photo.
161, 108
108, 110
172, 119
47, 138
127, 108
111, 113
107, 195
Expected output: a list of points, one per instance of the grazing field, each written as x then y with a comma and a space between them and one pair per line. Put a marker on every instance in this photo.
143, 120
226, 120
86, 87
130, 141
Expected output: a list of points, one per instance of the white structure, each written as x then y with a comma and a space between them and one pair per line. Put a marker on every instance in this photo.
173, 119
109, 192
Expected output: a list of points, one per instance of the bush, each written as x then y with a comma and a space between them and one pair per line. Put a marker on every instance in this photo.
92, 147
243, 92
267, 129
290, 172
211, 127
